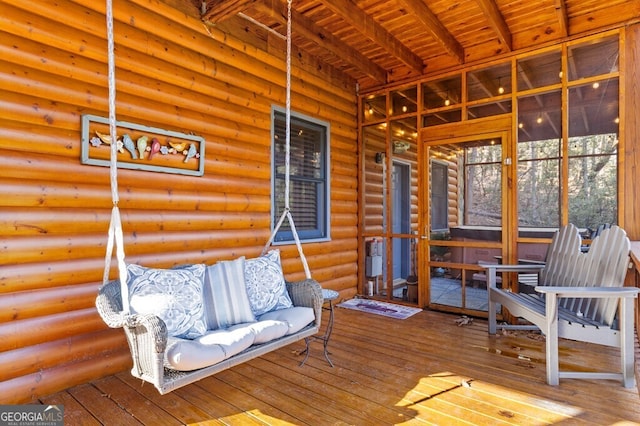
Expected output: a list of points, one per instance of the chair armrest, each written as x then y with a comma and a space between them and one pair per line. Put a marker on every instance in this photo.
523, 261
599, 292
494, 268
532, 262
149, 328
307, 293
497, 267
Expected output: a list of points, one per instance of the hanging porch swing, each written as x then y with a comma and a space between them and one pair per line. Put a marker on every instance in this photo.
147, 334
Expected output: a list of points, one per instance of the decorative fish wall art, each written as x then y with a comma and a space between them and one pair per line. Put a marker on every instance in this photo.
142, 146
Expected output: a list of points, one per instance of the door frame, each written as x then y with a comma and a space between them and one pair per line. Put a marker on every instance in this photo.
498, 127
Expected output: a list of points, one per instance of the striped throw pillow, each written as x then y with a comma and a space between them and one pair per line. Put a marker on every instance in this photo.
225, 295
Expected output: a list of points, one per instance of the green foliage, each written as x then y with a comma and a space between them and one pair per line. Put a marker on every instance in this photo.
592, 182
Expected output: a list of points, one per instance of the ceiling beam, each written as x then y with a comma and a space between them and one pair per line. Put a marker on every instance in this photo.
433, 25
563, 18
308, 29
366, 25
497, 22
216, 11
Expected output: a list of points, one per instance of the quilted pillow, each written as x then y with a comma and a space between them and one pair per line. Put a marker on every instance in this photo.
225, 295
174, 295
266, 288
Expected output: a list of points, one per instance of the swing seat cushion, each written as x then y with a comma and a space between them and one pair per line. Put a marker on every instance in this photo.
217, 345
295, 318
211, 348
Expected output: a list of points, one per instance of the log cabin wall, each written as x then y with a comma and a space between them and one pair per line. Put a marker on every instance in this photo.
172, 73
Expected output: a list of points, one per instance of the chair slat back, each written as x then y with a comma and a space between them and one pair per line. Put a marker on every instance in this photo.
604, 265
566, 241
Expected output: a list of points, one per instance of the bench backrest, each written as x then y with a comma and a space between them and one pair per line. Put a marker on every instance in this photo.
565, 242
604, 265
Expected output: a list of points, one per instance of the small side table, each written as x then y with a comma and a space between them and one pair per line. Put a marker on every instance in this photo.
328, 296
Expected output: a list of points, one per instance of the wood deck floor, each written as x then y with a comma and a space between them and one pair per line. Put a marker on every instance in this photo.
422, 370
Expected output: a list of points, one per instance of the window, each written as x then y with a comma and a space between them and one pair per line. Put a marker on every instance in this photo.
483, 183
309, 176
439, 196
540, 159
593, 153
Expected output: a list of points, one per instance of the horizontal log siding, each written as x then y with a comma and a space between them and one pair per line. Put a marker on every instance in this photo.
173, 73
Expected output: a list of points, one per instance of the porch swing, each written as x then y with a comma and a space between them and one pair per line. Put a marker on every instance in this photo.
147, 334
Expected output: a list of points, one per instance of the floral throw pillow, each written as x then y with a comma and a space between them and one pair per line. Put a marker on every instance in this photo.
265, 283
174, 295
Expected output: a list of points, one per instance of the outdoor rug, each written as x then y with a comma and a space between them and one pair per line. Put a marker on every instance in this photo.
380, 308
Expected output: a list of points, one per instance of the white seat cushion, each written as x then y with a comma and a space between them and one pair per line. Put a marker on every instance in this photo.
265, 331
213, 347
296, 318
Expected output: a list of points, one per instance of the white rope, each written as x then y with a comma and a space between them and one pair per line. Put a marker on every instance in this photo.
115, 225
115, 234
287, 210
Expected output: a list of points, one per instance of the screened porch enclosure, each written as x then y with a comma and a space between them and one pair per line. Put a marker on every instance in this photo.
500, 156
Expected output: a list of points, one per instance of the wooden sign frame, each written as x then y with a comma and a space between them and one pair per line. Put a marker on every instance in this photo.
142, 147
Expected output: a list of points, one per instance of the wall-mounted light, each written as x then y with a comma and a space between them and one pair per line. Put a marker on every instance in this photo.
379, 157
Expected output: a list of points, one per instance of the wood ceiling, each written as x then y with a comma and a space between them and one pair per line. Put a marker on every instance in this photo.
381, 41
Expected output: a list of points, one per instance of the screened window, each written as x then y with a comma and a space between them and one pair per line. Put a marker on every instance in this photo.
483, 187
309, 177
539, 159
593, 153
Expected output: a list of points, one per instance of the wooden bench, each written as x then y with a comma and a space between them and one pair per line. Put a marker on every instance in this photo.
579, 296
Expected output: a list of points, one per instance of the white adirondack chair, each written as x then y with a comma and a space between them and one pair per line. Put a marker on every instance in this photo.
580, 296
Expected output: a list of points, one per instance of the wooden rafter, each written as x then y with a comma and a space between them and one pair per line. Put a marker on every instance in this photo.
435, 27
366, 25
306, 28
216, 11
563, 18
497, 22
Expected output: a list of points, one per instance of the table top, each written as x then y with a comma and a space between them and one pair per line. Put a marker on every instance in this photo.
329, 295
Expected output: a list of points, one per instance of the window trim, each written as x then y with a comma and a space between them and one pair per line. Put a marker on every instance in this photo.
286, 237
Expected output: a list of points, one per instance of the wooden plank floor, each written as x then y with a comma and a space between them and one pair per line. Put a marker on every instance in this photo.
423, 370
